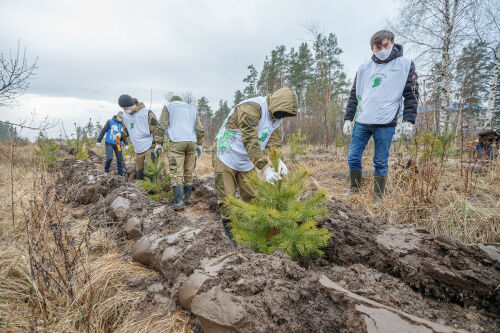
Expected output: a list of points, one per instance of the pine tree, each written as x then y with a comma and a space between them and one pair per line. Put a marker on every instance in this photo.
156, 181
238, 97
251, 80
280, 218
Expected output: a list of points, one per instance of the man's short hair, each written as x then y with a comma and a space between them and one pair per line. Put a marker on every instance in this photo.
379, 36
176, 98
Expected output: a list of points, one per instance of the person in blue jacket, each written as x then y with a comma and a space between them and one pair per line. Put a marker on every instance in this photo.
112, 127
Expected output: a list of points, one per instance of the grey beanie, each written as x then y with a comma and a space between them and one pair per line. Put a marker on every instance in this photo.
125, 101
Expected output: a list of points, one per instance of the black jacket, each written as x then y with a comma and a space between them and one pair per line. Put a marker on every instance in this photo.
410, 92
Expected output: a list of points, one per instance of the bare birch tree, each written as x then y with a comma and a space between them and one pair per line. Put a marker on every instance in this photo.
487, 29
436, 28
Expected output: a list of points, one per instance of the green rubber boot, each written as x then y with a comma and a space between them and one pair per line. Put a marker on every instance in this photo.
187, 194
356, 178
379, 187
178, 202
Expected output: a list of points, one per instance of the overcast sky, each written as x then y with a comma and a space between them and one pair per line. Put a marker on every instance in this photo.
89, 52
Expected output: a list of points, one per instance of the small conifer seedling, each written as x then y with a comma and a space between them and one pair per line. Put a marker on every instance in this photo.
281, 217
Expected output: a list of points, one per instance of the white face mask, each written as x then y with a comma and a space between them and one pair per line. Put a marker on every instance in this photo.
119, 120
128, 111
384, 54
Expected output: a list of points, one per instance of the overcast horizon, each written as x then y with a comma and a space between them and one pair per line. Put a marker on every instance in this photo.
91, 52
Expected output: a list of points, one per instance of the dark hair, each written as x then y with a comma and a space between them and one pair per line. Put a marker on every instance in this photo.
379, 36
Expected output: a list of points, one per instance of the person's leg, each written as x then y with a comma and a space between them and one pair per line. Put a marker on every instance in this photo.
109, 156
176, 165
247, 191
189, 164
360, 136
225, 185
382, 136
139, 165
119, 160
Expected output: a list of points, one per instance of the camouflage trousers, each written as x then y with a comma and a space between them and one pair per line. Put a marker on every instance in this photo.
227, 181
182, 161
142, 158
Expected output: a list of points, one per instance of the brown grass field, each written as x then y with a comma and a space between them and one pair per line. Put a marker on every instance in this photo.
102, 295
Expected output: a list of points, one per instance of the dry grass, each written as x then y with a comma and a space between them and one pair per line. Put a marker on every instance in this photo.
471, 216
102, 297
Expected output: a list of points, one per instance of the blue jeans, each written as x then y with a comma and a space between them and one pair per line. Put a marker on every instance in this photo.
382, 136
110, 148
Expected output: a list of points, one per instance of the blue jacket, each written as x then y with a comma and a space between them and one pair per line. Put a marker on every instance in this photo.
111, 128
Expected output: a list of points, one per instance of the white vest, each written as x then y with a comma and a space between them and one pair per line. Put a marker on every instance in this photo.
379, 90
182, 117
138, 130
230, 148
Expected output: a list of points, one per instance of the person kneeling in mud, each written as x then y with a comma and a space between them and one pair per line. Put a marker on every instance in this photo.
248, 132
185, 134
111, 128
139, 126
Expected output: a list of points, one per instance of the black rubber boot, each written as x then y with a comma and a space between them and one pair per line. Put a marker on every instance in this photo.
139, 174
227, 230
356, 177
379, 187
187, 194
178, 203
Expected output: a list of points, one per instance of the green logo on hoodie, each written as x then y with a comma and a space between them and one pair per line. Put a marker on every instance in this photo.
131, 125
377, 81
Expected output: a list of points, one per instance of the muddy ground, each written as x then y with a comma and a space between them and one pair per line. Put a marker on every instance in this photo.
375, 277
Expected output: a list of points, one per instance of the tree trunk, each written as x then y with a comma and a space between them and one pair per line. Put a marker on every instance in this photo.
490, 111
445, 107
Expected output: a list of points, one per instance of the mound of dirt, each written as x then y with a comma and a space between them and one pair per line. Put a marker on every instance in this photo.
440, 267
374, 278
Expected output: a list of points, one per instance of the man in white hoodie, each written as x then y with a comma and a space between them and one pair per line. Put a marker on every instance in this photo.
382, 85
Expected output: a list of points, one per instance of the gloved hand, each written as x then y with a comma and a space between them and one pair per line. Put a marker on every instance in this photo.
199, 151
98, 144
348, 127
125, 147
282, 169
407, 129
117, 136
271, 176
158, 149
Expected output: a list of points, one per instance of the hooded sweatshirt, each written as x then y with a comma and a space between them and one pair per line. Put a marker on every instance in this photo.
379, 89
250, 129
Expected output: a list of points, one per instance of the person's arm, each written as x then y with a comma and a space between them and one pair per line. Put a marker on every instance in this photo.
103, 132
124, 134
410, 95
248, 123
162, 125
352, 103
199, 130
274, 140
153, 125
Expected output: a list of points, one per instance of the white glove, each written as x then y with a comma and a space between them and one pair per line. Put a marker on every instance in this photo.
117, 136
199, 151
407, 129
282, 169
271, 176
348, 127
98, 144
125, 147
158, 149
